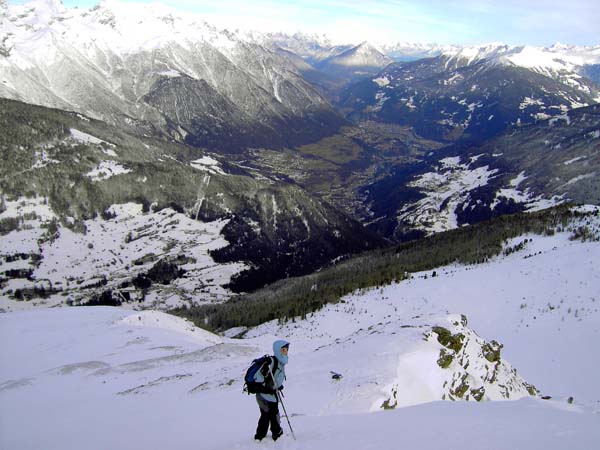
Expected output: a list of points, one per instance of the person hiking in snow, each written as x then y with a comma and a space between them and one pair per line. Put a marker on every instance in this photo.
272, 376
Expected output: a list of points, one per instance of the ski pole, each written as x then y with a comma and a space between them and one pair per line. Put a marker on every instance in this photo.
285, 412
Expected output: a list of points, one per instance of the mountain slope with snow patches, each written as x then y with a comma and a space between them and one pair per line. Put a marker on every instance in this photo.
526, 168
469, 100
146, 379
88, 210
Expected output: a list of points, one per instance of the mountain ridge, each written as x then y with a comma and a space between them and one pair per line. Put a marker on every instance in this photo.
52, 56
473, 101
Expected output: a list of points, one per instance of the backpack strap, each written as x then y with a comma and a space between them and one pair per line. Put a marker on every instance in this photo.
266, 368
268, 372
275, 364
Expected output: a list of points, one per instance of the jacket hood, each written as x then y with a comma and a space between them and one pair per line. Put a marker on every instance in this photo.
277, 345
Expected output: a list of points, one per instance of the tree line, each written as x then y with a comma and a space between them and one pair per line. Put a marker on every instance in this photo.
296, 297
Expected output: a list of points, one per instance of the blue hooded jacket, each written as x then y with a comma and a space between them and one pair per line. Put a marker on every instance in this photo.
279, 375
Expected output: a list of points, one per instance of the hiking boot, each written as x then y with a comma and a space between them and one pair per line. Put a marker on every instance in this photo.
277, 435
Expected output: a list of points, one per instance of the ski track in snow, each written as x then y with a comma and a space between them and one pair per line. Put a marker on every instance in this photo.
102, 377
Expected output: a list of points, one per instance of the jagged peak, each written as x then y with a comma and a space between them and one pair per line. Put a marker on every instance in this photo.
560, 46
137, 10
300, 39
321, 39
477, 52
366, 46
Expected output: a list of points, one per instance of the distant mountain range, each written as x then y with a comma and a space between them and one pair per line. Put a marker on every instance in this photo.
180, 78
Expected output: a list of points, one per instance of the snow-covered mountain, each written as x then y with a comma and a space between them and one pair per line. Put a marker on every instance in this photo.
177, 76
568, 64
355, 63
564, 63
461, 97
409, 51
154, 71
312, 48
160, 71
152, 380
327, 66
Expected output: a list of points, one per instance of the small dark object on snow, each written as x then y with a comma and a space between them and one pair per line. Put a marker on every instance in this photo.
335, 376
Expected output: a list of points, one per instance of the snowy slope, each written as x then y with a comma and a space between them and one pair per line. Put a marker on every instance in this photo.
447, 190
560, 62
101, 377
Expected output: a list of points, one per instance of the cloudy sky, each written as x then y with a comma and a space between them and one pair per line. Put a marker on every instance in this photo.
534, 22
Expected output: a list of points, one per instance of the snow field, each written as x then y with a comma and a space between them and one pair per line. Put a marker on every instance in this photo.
111, 248
100, 377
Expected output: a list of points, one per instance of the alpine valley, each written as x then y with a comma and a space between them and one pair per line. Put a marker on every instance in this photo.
150, 156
